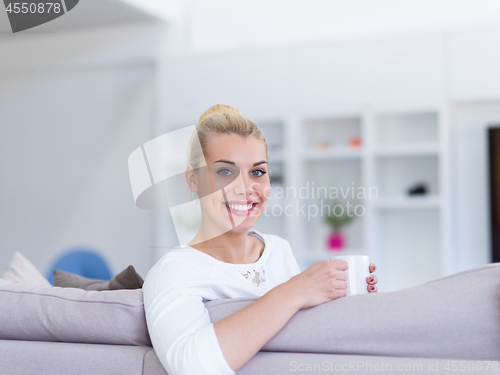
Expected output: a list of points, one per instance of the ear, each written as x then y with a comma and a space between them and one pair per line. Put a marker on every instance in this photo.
191, 178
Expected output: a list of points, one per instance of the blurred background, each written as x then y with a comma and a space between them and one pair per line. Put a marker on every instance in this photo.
397, 99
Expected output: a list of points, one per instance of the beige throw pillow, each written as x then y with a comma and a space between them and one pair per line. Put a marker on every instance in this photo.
127, 279
21, 270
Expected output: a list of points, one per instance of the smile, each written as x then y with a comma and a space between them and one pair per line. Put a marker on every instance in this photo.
240, 207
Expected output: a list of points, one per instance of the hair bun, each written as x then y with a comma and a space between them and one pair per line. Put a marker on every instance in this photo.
216, 109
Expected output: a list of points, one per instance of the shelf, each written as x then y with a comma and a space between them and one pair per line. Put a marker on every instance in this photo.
407, 150
394, 176
336, 153
403, 128
332, 138
413, 202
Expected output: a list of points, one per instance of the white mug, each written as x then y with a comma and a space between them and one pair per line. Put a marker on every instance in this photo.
357, 272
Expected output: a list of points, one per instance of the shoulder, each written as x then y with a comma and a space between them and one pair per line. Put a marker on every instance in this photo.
276, 245
178, 266
272, 239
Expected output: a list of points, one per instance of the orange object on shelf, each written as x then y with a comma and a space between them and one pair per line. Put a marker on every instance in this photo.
355, 142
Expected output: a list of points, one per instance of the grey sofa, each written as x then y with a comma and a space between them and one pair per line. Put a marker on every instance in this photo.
449, 325
40, 358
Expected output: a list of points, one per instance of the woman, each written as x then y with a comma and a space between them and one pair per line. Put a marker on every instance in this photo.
227, 259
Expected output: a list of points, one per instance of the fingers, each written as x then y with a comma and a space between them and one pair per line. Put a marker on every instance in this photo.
341, 293
341, 275
339, 284
372, 288
372, 280
340, 264
340, 289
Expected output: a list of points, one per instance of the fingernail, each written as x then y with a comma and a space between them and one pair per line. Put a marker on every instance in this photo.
373, 288
371, 279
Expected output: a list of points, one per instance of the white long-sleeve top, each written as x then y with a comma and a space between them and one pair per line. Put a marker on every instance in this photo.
177, 286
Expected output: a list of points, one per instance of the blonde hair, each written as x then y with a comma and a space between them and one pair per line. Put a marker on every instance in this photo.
220, 119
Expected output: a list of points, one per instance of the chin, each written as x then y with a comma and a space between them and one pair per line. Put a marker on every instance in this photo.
244, 226
249, 221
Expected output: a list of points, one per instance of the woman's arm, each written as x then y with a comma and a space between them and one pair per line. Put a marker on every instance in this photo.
242, 334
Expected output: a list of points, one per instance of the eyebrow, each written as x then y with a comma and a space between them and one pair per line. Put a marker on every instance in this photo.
231, 162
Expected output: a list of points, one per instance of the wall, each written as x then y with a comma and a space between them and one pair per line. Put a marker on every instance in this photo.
309, 78
226, 24
73, 107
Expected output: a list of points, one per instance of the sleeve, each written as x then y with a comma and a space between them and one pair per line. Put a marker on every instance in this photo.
181, 332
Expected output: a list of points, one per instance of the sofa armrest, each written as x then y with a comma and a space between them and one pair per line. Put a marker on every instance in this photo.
457, 316
47, 313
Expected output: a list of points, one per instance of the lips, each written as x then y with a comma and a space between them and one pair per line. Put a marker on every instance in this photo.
242, 202
240, 208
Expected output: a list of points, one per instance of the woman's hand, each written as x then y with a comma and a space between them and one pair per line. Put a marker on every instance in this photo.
372, 279
322, 282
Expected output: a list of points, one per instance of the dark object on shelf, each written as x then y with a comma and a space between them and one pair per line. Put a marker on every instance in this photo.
418, 189
494, 165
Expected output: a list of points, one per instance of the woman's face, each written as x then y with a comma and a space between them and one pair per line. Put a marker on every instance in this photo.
234, 189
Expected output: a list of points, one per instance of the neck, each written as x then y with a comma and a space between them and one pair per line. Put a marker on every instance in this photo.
229, 247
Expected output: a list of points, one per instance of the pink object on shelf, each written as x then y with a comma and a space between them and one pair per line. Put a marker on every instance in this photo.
335, 241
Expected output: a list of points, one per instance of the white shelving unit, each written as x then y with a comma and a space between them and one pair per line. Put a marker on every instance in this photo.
383, 152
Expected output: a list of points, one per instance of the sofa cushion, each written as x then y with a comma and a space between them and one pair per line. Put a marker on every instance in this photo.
21, 270
127, 279
55, 358
58, 358
40, 313
457, 316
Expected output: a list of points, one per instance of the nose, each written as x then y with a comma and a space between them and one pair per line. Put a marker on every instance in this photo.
243, 185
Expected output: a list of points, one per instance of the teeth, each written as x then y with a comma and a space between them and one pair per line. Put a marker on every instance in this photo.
240, 207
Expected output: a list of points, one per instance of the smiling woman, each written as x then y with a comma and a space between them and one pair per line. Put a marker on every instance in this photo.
228, 259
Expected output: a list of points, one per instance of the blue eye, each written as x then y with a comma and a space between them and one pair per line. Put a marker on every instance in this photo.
225, 172
262, 173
